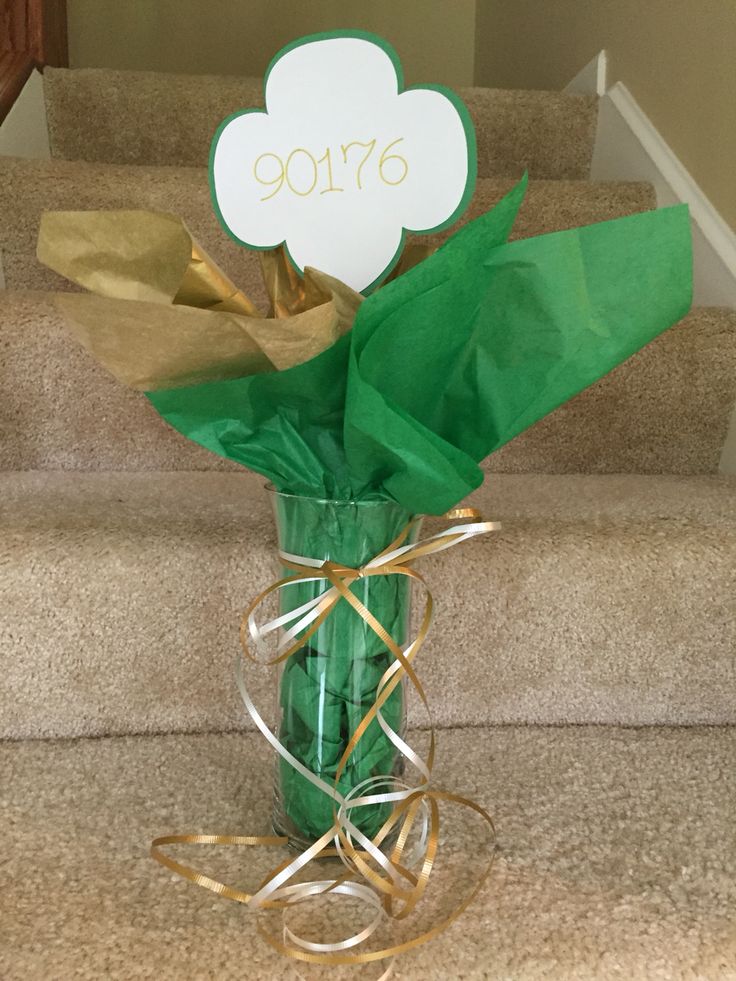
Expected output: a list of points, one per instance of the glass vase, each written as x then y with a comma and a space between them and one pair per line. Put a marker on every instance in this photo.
329, 684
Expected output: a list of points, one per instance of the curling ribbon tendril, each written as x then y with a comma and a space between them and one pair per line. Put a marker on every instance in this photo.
387, 883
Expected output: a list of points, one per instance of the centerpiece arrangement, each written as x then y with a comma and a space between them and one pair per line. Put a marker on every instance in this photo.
369, 393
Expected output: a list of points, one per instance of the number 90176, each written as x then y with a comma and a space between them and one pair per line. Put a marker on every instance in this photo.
271, 170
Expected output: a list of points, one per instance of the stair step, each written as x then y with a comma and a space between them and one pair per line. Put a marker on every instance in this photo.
30, 187
665, 410
60, 410
617, 856
548, 134
154, 119
121, 596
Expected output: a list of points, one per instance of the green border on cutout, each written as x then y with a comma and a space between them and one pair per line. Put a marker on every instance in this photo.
380, 42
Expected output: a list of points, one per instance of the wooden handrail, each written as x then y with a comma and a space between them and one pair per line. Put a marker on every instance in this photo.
33, 33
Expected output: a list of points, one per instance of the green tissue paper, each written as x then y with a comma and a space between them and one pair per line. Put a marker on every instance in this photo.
450, 361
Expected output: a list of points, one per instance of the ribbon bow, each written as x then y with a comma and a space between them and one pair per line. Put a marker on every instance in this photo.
387, 883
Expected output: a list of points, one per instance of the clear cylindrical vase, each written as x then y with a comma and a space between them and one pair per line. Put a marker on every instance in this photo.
329, 684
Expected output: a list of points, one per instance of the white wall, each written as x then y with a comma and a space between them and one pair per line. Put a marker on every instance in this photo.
23, 132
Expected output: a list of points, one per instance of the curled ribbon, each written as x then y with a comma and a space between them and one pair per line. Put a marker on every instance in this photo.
387, 883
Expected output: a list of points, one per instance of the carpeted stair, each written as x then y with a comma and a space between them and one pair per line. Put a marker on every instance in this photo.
28, 188
152, 118
582, 662
605, 599
617, 857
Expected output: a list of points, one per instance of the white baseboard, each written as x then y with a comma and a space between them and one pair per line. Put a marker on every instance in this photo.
24, 132
591, 80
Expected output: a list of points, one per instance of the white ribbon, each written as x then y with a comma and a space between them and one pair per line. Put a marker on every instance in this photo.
420, 801
292, 623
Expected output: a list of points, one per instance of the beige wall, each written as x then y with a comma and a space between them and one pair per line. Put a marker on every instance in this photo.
435, 38
677, 57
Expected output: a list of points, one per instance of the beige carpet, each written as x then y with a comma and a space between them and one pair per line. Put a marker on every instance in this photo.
617, 857
665, 410
605, 599
154, 118
30, 187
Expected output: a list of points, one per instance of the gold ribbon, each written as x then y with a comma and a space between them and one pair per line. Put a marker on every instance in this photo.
387, 882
